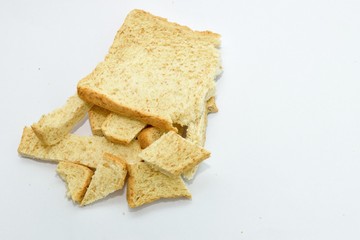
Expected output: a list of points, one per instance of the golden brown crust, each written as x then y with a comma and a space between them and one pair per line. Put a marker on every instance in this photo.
148, 135
101, 100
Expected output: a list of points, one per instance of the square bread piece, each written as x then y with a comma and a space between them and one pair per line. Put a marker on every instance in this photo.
148, 62
172, 155
146, 185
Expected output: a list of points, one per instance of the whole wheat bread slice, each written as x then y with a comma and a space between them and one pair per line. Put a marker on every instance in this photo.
53, 127
86, 150
119, 129
109, 176
97, 116
77, 178
148, 62
146, 185
172, 155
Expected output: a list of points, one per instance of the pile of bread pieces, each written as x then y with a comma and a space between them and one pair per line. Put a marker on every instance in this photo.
147, 103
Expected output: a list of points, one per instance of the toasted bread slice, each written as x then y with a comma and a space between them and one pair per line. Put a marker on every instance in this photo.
53, 127
148, 62
149, 135
77, 178
172, 155
119, 129
86, 150
146, 185
109, 176
97, 116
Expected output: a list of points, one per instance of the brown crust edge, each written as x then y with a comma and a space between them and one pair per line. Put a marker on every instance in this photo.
89, 95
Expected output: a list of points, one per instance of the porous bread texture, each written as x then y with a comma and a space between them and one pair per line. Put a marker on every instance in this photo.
97, 116
109, 177
148, 62
172, 155
119, 129
146, 185
149, 135
77, 178
53, 127
86, 150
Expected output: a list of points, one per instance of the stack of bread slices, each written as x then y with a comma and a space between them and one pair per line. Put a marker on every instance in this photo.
147, 104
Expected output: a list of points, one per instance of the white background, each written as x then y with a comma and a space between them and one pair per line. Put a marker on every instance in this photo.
285, 144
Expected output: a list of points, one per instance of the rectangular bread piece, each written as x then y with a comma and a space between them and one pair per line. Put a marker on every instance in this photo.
86, 150
97, 116
53, 127
121, 130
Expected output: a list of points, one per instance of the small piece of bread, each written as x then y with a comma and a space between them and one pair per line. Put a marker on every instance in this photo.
97, 116
146, 185
77, 178
109, 176
119, 129
53, 127
156, 71
149, 135
211, 105
86, 150
172, 155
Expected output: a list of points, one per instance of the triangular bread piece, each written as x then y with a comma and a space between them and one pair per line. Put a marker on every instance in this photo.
156, 71
86, 150
172, 155
77, 178
97, 116
146, 185
53, 127
109, 176
119, 129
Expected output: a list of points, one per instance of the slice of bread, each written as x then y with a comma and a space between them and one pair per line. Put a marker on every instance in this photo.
172, 155
53, 127
146, 185
97, 116
149, 135
119, 129
77, 178
86, 150
148, 62
109, 176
